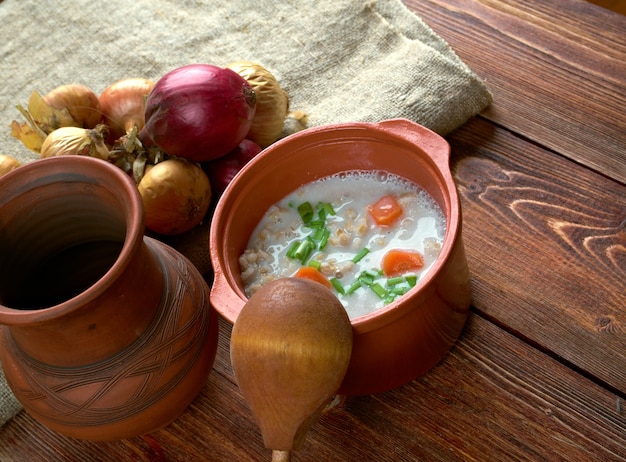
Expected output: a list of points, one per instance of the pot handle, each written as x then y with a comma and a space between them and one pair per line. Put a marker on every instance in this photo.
431, 143
224, 299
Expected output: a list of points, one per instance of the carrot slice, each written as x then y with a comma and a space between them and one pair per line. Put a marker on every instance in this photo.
385, 211
396, 262
308, 272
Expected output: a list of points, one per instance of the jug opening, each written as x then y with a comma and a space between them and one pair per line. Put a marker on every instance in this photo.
55, 246
59, 276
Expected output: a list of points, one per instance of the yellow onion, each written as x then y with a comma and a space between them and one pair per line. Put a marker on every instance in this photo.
123, 105
272, 102
81, 102
76, 141
176, 195
8, 163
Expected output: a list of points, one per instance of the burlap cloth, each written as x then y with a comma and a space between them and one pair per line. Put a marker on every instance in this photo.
339, 61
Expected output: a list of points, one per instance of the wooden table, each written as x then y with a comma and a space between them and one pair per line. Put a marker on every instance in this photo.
539, 372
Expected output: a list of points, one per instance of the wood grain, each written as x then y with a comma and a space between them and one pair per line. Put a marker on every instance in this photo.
540, 370
557, 71
492, 398
546, 243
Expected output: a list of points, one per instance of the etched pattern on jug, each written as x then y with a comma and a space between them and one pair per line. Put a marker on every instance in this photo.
135, 378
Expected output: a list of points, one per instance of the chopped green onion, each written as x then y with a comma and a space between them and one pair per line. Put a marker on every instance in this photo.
359, 256
318, 234
315, 264
326, 208
368, 277
395, 281
306, 212
412, 280
337, 285
304, 250
316, 224
365, 279
324, 239
399, 290
379, 290
352, 288
291, 252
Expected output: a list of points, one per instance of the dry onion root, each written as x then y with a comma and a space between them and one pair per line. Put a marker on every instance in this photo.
8, 163
76, 141
272, 102
176, 195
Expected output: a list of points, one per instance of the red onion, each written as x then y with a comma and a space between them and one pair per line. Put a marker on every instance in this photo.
199, 112
222, 171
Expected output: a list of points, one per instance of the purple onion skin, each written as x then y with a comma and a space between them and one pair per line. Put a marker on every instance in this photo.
222, 171
199, 112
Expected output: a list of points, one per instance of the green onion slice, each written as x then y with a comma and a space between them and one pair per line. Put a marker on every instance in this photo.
395, 281
306, 212
337, 285
352, 288
359, 256
324, 239
379, 290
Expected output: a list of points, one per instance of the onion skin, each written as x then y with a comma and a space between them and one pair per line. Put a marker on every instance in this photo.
199, 112
176, 195
123, 105
81, 102
222, 171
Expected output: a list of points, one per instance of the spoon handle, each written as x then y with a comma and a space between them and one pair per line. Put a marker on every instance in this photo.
281, 456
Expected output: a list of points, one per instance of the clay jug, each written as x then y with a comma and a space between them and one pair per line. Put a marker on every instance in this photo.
106, 333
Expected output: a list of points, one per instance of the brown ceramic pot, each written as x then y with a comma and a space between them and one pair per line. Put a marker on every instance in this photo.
403, 340
106, 334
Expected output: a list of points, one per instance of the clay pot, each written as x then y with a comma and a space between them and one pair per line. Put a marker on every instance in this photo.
399, 342
106, 334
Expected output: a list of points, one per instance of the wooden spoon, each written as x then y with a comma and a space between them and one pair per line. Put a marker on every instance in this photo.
290, 349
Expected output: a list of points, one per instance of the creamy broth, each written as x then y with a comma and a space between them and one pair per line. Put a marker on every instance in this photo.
351, 234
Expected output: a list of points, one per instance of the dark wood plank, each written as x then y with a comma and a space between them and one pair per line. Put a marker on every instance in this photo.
557, 71
492, 398
614, 5
546, 243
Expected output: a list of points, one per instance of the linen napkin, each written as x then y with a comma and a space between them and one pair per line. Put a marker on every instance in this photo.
339, 61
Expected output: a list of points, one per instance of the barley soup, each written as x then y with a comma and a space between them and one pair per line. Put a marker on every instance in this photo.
368, 236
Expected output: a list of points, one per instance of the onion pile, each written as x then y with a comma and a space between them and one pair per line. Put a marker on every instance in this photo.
182, 138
